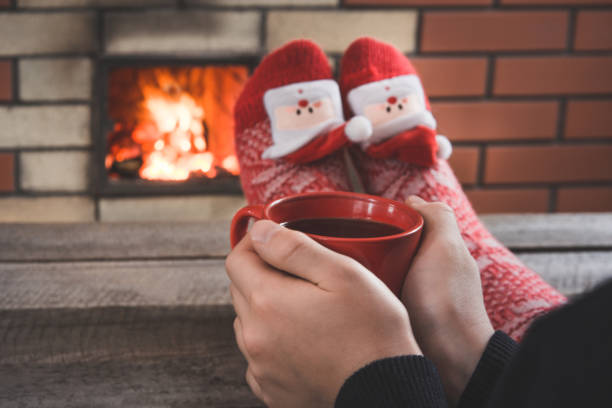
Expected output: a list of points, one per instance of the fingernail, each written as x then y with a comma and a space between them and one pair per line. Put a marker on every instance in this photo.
262, 231
413, 199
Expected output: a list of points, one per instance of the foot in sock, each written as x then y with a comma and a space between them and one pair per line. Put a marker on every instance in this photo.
290, 128
374, 77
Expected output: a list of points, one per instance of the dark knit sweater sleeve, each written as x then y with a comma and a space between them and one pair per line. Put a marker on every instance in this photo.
405, 381
496, 356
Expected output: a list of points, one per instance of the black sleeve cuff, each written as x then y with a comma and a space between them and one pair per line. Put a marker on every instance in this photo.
496, 356
405, 381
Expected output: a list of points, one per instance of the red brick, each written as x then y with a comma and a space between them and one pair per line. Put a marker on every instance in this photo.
6, 88
509, 200
553, 75
5, 3
584, 199
494, 31
428, 3
593, 30
554, 2
588, 119
452, 76
481, 121
464, 162
514, 164
7, 176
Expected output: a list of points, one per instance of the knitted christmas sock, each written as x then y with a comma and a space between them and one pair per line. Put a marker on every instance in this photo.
513, 294
290, 128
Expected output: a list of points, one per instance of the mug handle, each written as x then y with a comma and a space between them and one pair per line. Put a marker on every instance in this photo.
240, 222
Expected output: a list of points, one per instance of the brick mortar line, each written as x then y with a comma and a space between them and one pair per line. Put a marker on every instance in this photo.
17, 174
101, 31
521, 98
302, 8
50, 149
490, 76
263, 32
547, 184
43, 102
418, 38
534, 143
183, 8
16, 171
241, 54
46, 194
496, 188
14, 81
552, 199
561, 119
558, 52
480, 169
472, 8
571, 29
62, 55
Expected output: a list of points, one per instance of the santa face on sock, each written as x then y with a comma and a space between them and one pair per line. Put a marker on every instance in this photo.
300, 112
392, 105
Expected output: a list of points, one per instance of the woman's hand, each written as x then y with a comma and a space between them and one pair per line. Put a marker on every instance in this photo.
308, 318
443, 295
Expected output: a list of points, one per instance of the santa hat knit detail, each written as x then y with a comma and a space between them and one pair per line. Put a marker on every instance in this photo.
368, 60
265, 180
283, 66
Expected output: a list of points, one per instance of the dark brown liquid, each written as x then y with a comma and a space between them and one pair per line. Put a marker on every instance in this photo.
343, 227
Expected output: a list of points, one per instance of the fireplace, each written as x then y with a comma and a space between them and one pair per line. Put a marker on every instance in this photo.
167, 126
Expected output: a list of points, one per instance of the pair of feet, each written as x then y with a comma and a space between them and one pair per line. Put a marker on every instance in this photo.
290, 134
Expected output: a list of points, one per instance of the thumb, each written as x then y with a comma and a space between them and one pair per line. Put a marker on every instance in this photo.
296, 253
439, 218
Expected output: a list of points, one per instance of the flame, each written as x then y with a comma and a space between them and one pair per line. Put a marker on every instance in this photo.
181, 121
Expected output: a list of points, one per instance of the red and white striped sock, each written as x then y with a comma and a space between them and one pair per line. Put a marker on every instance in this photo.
264, 180
514, 295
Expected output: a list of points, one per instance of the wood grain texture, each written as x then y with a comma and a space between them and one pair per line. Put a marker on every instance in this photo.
571, 273
115, 283
109, 241
179, 283
542, 231
117, 357
139, 315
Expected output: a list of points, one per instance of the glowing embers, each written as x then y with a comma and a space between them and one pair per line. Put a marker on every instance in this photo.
173, 123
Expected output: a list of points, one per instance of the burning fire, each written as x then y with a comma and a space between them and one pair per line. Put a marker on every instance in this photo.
179, 124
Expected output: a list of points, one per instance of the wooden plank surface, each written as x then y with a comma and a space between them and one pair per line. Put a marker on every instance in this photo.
111, 315
119, 357
571, 272
34, 285
110, 241
547, 231
170, 283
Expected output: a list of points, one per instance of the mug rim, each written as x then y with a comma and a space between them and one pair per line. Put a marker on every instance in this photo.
347, 194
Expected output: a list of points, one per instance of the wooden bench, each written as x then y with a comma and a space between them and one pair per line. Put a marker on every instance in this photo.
139, 315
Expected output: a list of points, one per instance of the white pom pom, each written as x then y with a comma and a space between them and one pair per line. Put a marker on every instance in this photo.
445, 149
358, 129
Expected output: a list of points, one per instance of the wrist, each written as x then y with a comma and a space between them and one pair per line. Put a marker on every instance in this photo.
456, 353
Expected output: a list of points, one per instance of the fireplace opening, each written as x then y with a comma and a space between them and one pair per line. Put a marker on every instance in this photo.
170, 128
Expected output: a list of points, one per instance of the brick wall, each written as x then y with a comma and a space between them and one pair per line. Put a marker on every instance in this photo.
523, 88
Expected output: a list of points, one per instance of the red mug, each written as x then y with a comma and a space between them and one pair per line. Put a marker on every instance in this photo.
388, 257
